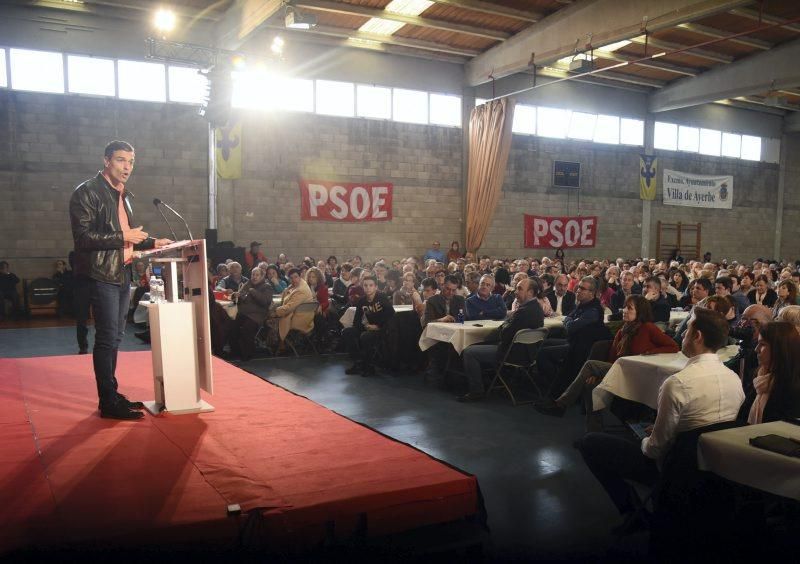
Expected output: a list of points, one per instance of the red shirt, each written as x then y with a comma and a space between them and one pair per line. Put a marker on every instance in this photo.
648, 339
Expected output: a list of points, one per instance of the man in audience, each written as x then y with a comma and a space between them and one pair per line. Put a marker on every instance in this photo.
705, 392
373, 312
729, 286
562, 301
699, 289
444, 307
8, 289
435, 253
752, 322
429, 289
529, 315
254, 301
484, 304
355, 291
254, 256
342, 283
234, 280
627, 286
472, 281
658, 301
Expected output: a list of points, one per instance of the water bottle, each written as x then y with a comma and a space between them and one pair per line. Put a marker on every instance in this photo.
153, 289
159, 291
460, 317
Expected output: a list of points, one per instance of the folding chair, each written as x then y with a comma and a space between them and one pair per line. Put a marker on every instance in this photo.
527, 338
297, 338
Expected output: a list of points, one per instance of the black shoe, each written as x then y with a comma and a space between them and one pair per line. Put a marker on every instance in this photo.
119, 411
355, 369
83, 351
125, 402
549, 407
471, 397
144, 336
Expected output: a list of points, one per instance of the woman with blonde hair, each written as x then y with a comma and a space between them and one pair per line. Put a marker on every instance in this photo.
790, 314
316, 282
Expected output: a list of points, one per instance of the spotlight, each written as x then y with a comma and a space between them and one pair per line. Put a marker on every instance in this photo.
238, 62
296, 20
164, 20
277, 45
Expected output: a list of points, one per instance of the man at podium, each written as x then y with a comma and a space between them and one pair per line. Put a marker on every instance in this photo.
105, 239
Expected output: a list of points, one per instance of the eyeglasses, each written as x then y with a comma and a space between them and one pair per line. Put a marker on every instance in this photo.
584, 288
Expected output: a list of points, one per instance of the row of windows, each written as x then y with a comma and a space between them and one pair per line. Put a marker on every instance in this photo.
673, 137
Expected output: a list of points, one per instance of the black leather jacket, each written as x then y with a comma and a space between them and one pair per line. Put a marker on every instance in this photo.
94, 215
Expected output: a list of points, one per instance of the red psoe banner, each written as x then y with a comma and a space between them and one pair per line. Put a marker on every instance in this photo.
560, 232
321, 200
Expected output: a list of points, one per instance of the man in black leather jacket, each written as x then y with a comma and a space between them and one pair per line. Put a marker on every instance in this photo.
102, 219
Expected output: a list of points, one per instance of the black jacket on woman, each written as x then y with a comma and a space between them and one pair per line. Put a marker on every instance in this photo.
769, 298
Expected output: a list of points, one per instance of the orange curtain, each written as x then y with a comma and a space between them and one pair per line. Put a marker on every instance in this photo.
489, 145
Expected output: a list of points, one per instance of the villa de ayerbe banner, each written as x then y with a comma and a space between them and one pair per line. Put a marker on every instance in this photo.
697, 190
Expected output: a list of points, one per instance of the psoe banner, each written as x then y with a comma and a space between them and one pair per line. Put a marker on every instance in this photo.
321, 200
697, 190
560, 232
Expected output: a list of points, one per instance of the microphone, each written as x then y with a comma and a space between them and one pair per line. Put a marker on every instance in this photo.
157, 203
170, 208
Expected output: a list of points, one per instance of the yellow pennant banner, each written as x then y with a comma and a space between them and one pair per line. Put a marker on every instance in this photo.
229, 150
648, 165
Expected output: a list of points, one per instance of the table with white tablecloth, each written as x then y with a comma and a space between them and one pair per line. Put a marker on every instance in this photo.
350, 314
729, 454
460, 335
638, 378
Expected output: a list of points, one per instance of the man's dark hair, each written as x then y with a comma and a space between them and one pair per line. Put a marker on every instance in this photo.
725, 281
393, 275
705, 283
117, 146
735, 277
3, 263
370, 277
347, 267
549, 278
452, 280
713, 326
590, 280
293, 271
333, 257
654, 279
430, 283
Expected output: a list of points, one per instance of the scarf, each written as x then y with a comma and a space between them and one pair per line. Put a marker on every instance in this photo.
763, 385
628, 332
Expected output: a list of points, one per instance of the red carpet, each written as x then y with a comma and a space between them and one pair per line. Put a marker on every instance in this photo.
69, 477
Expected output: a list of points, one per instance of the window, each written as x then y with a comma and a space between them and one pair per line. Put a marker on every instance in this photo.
142, 81
666, 136
39, 71
751, 148
524, 120
253, 90
410, 106
187, 85
731, 145
688, 139
297, 95
552, 122
480, 102
87, 75
581, 126
710, 140
335, 98
631, 131
607, 130
3, 71
374, 102
445, 110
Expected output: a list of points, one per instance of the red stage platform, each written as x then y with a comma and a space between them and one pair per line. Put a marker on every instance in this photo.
301, 473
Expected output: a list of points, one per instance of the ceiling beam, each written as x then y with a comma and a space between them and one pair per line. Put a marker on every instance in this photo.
363, 37
718, 34
763, 72
751, 107
791, 123
598, 22
493, 9
764, 18
242, 19
617, 76
761, 101
367, 12
649, 64
669, 46
598, 80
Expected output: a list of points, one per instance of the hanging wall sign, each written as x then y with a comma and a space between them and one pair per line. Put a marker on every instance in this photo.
321, 200
560, 232
697, 190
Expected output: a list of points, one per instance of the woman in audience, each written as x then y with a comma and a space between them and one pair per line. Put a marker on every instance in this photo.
274, 279
316, 281
723, 305
776, 388
502, 280
638, 335
297, 293
407, 294
679, 281
393, 283
355, 292
746, 282
341, 284
455, 252
222, 272
762, 294
790, 314
787, 295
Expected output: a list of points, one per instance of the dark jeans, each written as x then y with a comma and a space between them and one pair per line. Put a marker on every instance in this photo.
242, 337
12, 297
551, 355
361, 346
475, 357
110, 308
613, 460
81, 304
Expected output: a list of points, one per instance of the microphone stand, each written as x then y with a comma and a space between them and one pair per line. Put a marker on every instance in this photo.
156, 203
185, 224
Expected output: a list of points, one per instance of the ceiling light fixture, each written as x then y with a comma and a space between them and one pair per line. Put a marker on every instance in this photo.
295, 19
164, 20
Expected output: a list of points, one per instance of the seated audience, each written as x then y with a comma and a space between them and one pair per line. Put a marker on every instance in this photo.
787, 295
776, 388
254, 256
275, 280
393, 283
434, 253
63, 278
484, 304
502, 279
455, 251
234, 280
342, 283
373, 312
316, 281
638, 335
354, 291
657, 299
705, 392
444, 306
529, 315
429, 290
8, 290
699, 289
562, 301
407, 294
627, 287
220, 272
254, 301
729, 286
790, 314
297, 293
762, 294
472, 281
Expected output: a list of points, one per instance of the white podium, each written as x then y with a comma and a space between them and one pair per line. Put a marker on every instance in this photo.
180, 331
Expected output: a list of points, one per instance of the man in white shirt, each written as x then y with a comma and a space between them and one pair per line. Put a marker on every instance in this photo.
705, 392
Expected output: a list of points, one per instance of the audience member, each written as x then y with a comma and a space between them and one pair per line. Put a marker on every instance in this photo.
66, 287
254, 256
316, 282
455, 251
234, 281
627, 287
373, 312
484, 304
8, 289
435, 253
472, 281
762, 294
355, 291
253, 301
657, 299
562, 301
407, 294
790, 314
297, 293
699, 290
787, 296
429, 289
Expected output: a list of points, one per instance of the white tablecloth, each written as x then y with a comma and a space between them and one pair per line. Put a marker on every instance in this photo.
230, 308
457, 334
350, 314
728, 453
638, 378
